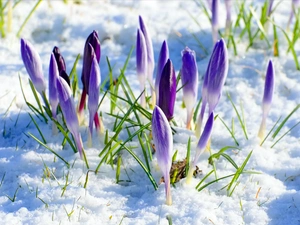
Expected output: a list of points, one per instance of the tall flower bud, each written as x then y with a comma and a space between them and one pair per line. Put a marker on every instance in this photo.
189, 79
163, 140
33, 65
162, 60
167, 90
267, 98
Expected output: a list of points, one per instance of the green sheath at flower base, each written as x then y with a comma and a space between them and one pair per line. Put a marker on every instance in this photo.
163, 141
33, 65
68, 109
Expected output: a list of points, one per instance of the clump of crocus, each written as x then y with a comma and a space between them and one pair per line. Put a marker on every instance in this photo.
88, 56
189, 78
33, 65
214, 80
53, 96
162, 60
205, 136
68, 109
214, 19
163, 140
267, 98
150, 55
141, 63
93, 100
167, 90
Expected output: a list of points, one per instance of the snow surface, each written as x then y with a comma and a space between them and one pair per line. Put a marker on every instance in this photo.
271, 197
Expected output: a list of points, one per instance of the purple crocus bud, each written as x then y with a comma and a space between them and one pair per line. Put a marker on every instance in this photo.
33, 65
141, 63
214, 80
217, 73
150, 54
189, 78
167, 90
68, 109
267, 98
163, 140
214, 20
65, 76
88, 56
205, 136
53, 75
59, 59
162, 60
93, 100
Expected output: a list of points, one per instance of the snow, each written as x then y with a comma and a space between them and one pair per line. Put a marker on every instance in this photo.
38, 178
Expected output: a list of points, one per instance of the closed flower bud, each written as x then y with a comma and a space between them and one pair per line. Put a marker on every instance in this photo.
189, 79
163, 141
33, 65
167, 90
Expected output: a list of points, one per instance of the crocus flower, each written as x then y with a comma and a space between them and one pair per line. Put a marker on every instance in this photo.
141, 63
162, 60
214, 80
93, 100
267, 98
150, 54
163, 140
214, 20
33, 65
205, 136
167, 90
53, 75
189, 78
68, 109
88, 56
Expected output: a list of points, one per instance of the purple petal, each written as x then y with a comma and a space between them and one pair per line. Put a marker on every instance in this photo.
269, 84
53, 75
216, 74
33, 65
205, 136
65, 76
94, 88
189, 79
167, 90
162, 60
270, 7
150, 54
163, 140
88, 55
141, 56
68, 109
59, 59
